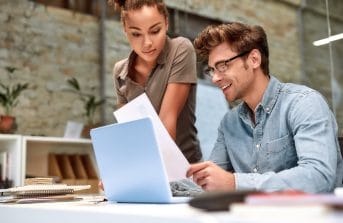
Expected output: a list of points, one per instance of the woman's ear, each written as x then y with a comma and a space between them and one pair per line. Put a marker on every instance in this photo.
124, 27
167, 24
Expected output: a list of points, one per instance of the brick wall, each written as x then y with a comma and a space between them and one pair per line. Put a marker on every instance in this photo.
49, 44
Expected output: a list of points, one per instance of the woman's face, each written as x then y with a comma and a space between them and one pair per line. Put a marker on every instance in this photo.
146, 30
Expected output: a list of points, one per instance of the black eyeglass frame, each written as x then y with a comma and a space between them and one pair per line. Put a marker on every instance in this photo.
210, 70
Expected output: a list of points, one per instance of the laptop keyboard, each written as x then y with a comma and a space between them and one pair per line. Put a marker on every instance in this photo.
185, 188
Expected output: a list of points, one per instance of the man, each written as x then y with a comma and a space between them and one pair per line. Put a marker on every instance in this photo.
281, 136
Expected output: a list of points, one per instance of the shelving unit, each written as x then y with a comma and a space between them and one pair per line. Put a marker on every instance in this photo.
28, 155
12, 145
36, 150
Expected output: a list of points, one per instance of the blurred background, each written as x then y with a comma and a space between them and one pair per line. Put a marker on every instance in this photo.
44, 43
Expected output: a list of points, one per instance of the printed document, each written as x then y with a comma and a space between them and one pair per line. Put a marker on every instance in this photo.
174, 161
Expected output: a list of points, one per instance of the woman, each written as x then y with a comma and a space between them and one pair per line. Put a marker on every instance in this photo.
162, 67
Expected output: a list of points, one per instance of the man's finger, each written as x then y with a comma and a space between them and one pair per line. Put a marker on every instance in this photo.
196, 167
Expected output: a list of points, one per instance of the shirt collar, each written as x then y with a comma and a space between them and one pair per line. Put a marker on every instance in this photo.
269, 98
271, 94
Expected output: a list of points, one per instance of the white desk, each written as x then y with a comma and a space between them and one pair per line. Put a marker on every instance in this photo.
70, 212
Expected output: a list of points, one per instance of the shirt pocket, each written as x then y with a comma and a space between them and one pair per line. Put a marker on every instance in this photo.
281, 154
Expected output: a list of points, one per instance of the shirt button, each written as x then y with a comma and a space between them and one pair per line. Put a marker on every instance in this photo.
267, 109
255, 170
257, 146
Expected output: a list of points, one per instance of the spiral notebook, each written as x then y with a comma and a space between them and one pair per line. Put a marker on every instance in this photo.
40, 193
42, 190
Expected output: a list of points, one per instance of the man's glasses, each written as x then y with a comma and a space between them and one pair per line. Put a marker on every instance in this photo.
222, 66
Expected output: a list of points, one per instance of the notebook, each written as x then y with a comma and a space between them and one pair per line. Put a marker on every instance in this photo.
42, 190
40, 193
130, 163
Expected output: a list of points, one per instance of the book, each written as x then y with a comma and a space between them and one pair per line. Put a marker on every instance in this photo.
294, 198
66, 168
53, 167
89, 168
285, 213
289, 206
73, 169
77, 166
38, 180
4, 165
56, 198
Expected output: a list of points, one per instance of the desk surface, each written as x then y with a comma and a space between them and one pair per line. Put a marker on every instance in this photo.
73, 212
84, 212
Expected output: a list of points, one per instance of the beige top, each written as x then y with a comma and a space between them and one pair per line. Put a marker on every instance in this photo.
175, 64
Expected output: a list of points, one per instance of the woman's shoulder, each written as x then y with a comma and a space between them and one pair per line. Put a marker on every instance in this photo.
181, 41
120, 67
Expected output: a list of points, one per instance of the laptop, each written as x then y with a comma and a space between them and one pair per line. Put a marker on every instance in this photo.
130, 163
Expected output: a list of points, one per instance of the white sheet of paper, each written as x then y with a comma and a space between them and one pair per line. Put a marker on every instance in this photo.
73, 130
174, 161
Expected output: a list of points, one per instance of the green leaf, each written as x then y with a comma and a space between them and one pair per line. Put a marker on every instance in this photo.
9, 96
10, 69
90, 103
74, 83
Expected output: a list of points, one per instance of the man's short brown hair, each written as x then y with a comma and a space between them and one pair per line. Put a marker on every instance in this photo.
239, 36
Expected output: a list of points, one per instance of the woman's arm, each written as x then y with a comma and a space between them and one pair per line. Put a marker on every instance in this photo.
182, 76
173, 102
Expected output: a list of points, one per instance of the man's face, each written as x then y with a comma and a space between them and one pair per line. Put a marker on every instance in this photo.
234, 77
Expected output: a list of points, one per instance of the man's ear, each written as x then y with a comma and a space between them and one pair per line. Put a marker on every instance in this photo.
255, 57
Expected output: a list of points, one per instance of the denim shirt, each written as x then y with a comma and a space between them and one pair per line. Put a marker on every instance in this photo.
292, 145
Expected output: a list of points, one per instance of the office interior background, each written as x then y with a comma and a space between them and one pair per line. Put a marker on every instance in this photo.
49, 41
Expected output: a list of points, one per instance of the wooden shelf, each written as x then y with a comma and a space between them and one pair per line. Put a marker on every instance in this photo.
36, 150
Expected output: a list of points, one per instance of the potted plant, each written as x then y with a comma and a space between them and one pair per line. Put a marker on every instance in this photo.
9, 98
90, 104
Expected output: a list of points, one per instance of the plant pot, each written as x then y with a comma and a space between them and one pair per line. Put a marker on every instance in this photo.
8, 124
87, 128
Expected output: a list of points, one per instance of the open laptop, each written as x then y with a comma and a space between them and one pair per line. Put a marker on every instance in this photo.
130, 164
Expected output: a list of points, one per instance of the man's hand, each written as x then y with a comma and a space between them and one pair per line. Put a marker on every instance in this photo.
211, 177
